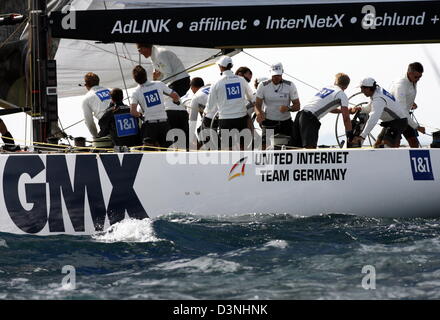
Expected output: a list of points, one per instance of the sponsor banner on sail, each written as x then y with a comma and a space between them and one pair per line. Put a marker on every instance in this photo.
263, 25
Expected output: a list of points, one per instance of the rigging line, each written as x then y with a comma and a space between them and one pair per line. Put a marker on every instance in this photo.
284, 72
122, 75
124, 46
120, 65
63, 131
108, 51
13, 33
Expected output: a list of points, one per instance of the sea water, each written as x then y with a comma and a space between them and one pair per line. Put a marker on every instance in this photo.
255, 257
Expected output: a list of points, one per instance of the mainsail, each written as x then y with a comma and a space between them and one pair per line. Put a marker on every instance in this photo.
113, 62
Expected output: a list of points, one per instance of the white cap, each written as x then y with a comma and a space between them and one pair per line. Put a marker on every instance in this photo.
224, 61
367, 82
276, 69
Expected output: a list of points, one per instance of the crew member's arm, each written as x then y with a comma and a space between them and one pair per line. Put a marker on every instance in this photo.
296, 105
175, 97
259, 110
162, 66
211, 105
134, 112
193, 115
259, 96
345, 114
413, 124
377, 107
88, 119
133, 107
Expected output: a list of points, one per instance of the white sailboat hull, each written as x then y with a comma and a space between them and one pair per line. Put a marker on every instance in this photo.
84, 193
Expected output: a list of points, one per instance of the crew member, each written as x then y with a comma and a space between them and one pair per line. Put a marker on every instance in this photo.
229, 96
383, 106
246, 73
169, 69
117, 122
272, 105
95, 102
306, 125
405, 90
195, 104
150, 96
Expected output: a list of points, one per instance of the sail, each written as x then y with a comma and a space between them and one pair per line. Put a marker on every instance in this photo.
113, 62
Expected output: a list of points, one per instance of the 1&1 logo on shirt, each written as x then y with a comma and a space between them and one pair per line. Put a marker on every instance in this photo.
152, 98
103, 94
421, 165
233, 91
126, 125
324, 93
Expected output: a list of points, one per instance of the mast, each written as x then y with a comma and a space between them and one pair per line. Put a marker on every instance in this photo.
43, 74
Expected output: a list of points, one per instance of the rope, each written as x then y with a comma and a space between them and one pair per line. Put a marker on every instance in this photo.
120, 65
307, 84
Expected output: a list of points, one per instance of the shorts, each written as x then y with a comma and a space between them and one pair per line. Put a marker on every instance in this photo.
155, 133
279, 127
181, 86
410, 132
229, 124
392, 131
178, 119
206, 123
305, 130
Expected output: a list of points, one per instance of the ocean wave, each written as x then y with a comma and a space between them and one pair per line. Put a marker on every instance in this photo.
128, 230
205, 264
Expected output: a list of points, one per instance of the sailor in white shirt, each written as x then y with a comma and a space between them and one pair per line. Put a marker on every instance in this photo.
383, 106
272, 104
169, 69
95, 102
405, 90
230, 96
187, 101
306, 125
149, 95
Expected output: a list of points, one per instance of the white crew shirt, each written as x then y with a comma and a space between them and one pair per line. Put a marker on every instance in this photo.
150, 96
170, 105
95, 102
185, 101
198, 103
326, 100
405, 92
168, 64
230, 96
276, 95
383, 106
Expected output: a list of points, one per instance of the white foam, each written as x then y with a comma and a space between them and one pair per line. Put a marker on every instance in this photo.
204, 264
280, 244
128, 230
3, 243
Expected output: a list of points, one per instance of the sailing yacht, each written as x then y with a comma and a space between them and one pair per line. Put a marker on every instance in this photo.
67, 190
